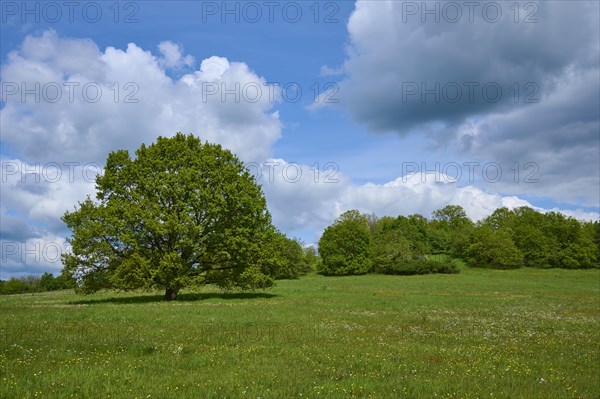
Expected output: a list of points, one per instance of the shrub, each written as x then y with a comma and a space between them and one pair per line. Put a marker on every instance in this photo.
421, 266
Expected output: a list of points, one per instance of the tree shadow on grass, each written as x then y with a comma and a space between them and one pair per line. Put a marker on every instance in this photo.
186, 297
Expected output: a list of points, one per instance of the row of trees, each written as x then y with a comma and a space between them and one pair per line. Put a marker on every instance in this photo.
357, 244
360, 244
32, 283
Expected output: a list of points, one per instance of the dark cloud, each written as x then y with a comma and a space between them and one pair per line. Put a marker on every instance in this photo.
560, 135
405, 75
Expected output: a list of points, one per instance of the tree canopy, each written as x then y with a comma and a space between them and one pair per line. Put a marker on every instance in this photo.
345, 246
181, 213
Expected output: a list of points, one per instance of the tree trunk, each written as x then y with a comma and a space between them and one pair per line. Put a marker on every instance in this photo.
171, 294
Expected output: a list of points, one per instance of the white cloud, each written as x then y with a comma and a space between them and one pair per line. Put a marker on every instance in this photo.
128, 99
214, 67
579, 214
328, 71
172, 56
299, 196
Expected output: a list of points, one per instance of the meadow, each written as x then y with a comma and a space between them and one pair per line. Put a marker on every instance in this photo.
526, 333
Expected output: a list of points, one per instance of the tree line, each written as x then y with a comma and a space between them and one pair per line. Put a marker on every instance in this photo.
507, 239
33, 283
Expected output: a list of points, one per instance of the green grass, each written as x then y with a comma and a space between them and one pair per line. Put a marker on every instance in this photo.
482, 333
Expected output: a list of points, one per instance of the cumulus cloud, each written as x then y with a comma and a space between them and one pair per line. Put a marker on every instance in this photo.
15, 228
488, 80
300, 196
34, 196
328, 71
559, 135
172, 56
65, 99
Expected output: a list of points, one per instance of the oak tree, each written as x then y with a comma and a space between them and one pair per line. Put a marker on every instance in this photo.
181, 213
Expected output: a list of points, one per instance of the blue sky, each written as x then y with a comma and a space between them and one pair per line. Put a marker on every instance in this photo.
498, 103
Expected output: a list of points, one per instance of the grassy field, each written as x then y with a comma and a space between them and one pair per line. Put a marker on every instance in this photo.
479, 334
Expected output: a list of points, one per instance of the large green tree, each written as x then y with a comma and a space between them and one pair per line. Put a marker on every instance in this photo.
345, 246
181, 213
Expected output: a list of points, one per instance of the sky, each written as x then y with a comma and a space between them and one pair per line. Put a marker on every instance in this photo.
388, 107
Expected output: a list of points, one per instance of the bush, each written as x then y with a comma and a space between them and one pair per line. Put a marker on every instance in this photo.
421, 266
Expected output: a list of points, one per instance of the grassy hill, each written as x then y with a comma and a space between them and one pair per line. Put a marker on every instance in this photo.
525, 333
